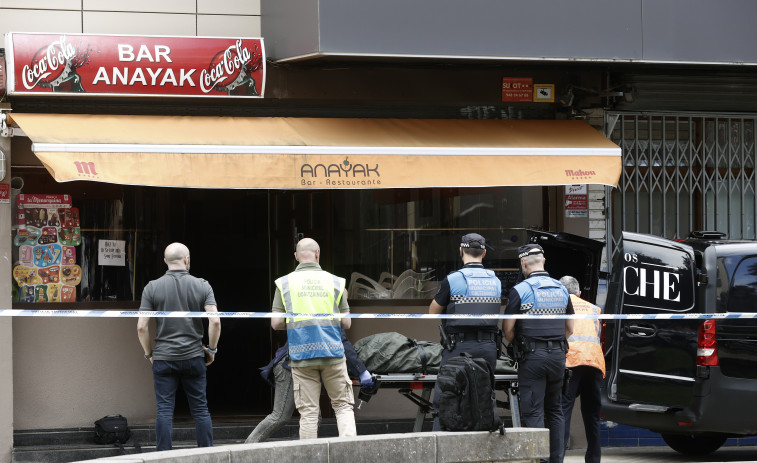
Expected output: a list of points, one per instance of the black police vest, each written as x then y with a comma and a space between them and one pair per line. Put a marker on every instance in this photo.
473, 290
542, 295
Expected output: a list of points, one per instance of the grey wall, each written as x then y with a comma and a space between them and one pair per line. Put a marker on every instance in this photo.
6, 323
604, 30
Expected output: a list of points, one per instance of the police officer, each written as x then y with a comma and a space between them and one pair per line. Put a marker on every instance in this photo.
541, 345
470, 290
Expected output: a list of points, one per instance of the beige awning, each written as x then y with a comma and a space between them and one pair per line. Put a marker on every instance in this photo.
296, 153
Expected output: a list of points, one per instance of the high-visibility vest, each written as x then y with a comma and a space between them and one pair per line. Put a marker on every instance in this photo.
585, 346
316, 292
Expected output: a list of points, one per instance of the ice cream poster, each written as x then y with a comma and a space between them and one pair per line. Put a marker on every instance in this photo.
49, 229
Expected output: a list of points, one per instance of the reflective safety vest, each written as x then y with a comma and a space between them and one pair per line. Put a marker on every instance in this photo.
474, 290
585, 345
316, 292
542, 295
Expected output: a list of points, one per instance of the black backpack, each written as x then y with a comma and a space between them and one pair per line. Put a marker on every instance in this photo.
467, 401
113, 429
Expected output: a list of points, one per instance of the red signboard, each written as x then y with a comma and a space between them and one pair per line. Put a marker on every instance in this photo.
5, 193
517, 89
55, 64
576, 201
2, 75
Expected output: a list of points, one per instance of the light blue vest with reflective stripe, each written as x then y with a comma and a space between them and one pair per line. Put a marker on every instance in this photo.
317, 292
473, 290
542, 295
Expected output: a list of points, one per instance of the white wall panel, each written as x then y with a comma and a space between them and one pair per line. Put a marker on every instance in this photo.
42, 4
229, 6
18, 20
145, 6
228, 26
139, 23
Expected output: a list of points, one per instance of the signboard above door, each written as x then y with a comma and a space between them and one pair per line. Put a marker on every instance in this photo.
128, 65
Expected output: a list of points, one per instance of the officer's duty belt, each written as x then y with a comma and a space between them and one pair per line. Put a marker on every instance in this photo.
473, 335
533, 344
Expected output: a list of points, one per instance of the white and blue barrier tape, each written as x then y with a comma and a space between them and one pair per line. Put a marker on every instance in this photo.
136, 314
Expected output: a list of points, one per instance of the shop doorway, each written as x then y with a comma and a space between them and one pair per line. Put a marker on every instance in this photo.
227, 234
241, 241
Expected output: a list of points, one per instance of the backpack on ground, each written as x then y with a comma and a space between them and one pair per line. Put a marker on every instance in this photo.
467, 401
113, 429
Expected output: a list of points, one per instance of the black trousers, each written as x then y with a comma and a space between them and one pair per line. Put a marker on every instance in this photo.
585, 383
540, 376
486, 350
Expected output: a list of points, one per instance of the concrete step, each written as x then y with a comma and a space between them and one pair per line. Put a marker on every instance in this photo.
76, 444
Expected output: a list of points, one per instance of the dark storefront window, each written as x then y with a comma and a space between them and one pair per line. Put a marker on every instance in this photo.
388, 244
401, 243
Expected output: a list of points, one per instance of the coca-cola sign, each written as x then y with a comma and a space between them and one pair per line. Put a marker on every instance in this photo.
128, 65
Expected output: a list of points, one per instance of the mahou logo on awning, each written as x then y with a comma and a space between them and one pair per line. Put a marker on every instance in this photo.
135, 65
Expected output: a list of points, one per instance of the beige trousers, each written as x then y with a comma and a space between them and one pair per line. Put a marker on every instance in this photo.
307, 393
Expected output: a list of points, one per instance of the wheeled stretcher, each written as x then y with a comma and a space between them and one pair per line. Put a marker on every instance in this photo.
417, 387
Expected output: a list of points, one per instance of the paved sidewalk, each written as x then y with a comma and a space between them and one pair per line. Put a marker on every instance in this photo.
664, 454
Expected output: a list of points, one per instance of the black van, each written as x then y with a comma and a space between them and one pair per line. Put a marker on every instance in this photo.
693, 380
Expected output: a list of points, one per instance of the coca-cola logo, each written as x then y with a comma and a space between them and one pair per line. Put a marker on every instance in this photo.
49, 64
54, 64
229, 68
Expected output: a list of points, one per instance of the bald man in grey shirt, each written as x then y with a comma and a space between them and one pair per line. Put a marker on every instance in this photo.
178, 355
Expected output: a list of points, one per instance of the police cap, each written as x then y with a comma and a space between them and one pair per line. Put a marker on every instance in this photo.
529, 250
473, 241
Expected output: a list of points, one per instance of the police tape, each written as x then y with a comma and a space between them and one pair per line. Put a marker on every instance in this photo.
156, 314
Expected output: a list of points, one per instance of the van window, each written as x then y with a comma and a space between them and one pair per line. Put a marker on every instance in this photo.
743, 293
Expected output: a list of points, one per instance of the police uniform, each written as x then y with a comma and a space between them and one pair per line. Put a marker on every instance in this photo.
470, 290
542, 345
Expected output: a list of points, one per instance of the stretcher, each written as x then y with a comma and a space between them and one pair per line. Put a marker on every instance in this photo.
408, 384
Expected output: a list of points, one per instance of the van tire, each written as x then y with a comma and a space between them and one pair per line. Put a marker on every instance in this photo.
694, 444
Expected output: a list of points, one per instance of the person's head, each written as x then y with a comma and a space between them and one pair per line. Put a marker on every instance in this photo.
472, 247
176, 256
571, 284
531, 258
307, 251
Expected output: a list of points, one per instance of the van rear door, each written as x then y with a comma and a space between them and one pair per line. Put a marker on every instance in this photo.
736, 291
568, 254
655, 360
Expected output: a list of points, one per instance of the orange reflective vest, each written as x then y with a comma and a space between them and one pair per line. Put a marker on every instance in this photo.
585, 346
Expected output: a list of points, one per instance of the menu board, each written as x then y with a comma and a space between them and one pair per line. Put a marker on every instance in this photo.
49, 230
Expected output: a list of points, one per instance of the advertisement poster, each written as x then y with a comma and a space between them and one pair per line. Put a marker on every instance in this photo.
131, 65
49, 230
5, 193
576, 201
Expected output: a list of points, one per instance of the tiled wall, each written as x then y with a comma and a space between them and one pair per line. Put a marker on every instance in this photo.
620, 435
223, 18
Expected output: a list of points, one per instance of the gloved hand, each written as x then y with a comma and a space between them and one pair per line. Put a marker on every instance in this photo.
365, 379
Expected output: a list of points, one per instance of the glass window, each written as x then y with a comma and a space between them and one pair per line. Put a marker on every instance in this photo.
404, 242
387, 244
742, 296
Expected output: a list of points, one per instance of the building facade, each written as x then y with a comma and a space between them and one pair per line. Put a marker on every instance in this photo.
676, 96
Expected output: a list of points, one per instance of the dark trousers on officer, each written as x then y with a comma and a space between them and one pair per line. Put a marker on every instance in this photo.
585, 382
477, 345
540, 376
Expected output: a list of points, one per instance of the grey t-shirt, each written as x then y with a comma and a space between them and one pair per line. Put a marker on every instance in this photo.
177, 291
